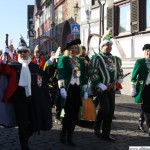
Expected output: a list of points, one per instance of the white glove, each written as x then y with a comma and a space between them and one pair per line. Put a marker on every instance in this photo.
102, 86
120, 80
63, 93
85, 95
133, 92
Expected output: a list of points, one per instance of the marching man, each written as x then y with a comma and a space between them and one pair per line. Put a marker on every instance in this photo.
104, 71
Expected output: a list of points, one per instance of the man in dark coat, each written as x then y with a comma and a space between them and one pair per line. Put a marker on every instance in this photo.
31, 98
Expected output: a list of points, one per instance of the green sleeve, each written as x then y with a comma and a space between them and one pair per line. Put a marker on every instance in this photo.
84, 76
93, 71
61, 67
135, 72
119, 68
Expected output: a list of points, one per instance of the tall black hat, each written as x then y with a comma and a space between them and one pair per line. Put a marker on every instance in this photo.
22, 44
71, 41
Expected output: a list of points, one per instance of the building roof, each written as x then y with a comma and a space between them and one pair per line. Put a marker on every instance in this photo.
38, 4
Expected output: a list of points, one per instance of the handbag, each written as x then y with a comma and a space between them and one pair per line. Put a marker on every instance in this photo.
88, 110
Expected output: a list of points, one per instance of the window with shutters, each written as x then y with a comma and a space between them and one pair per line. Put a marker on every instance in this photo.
129, 17
119, 18
124, 18
110, 18
148, 13
94, 2
135, 16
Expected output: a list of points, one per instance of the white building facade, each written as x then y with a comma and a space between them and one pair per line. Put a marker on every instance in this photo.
129, 21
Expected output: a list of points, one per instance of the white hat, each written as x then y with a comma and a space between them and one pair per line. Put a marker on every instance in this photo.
106, 39
105, 42
22, 44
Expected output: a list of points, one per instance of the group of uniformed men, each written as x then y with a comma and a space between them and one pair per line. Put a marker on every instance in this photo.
67, 77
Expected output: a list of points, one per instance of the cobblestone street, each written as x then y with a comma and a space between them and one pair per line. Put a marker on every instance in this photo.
124, 129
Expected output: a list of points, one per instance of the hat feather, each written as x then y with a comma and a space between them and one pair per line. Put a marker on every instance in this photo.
106, 38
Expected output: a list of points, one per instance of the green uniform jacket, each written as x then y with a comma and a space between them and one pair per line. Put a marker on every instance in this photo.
65, 71
139, 76
101, 72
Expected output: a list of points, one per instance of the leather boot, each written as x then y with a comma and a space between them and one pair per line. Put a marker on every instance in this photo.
141, 120
149, 131
147, 117
23, 138
63, 138
25, 148
97, 133
63, 135
140, 125
69, 136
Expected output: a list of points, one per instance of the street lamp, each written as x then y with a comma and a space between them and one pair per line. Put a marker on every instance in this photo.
88, 15
52, 29
52, 26
30, 32
31, 28
76, 9
101, 19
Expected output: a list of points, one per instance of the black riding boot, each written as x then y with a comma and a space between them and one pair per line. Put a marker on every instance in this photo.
69, 136
23, 141
140, 125
141, 121
147, 117
63, 135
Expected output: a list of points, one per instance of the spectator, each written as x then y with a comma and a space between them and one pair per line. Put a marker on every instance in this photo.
84, 55
37, 59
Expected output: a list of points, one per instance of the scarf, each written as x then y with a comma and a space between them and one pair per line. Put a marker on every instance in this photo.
25, 76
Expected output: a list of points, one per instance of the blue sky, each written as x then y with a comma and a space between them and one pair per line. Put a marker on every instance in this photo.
13, 16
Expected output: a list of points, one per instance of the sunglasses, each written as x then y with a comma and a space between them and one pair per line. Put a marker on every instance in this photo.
23, 51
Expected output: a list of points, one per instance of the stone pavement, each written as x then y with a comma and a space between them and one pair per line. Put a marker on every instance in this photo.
124, 129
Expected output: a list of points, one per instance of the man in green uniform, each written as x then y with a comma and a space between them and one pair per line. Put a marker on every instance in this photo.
104, 71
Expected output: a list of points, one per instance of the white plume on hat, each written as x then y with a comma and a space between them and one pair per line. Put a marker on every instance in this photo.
36, 48
11, 42
22, 44
106, 38
58, 53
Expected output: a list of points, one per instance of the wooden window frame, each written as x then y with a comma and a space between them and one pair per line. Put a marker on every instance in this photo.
94, 3
138, 17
